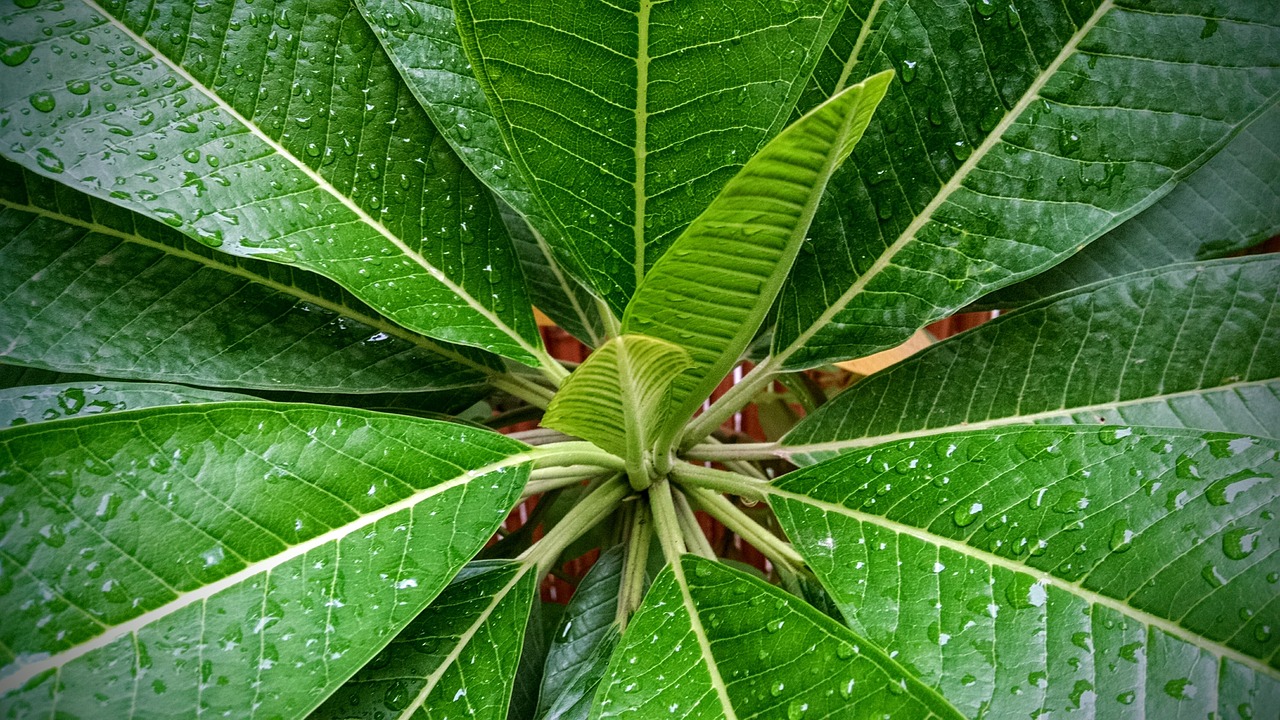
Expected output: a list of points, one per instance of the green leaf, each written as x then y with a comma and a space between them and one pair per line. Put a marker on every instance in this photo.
711, 291
1189, 345
458, 656
41, 403
1019, 133
421, 37
544, 619
620, 398
562, 298
713, 642
661, 104
87, 287
1114, 572
288, 136
229, 558
580, 650
1231, 203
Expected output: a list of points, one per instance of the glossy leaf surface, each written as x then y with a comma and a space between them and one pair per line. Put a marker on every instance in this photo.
1017, 135
215, 558
626, 120
88, 287
621, 396
1184, 346
42, 403
1112, 572
457, 658
711, 291
713, 642
581, 648
1230, 203
284, 133
421, 37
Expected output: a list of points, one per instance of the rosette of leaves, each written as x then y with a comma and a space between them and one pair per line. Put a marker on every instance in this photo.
267, 279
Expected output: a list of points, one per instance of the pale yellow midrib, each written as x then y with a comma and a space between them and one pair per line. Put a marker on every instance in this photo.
25, 673
642, 121
377, 323
704, 643
870, 440
462, 643
1076, 589
320, 182
993, 138
863, 33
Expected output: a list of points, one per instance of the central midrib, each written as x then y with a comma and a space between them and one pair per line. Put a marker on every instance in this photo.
642, 120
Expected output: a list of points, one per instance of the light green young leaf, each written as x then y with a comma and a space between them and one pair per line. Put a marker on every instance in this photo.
458, 656
1019, 133
88, 287
627, 120
711, 291
1113, 572
421, 37
287, 136
580, 650
1231, 203
713, 642
234, 558
42, 403
1194, 345
620, 398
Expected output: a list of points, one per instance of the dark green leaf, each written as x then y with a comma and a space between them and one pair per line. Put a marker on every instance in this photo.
1113, 572
1019, 133
711, 291
1232, 202
458, 657
544, 620
660, 104
1184, 346
421, 36
40, 403
581, 648
283, 133
712, 642
229, 558
87, 287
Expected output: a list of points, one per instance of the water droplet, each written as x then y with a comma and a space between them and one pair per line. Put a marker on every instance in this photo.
965, 515
15, 55
47, 160
796, 710
1240, 543
1180, 689
702, 571
43, 101
398, 695
1121, 537
191, 156
776, 689
1225, 491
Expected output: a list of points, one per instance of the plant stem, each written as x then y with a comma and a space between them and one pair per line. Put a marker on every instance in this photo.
773, 547
550, 368
511, 417
552, 478
731, 402
576, 452
593, 508
665, 522
540, 436
526, 390
696, 476
639, 537
736, 451
693, 535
